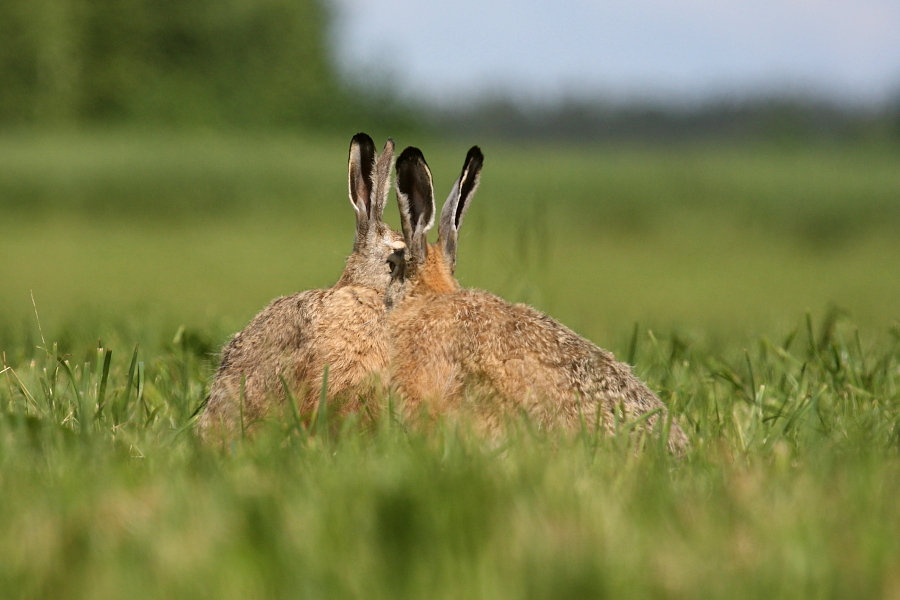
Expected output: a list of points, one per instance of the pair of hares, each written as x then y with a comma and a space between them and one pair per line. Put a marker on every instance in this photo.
398, 317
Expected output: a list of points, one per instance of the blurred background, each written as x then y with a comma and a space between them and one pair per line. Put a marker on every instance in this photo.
717, 169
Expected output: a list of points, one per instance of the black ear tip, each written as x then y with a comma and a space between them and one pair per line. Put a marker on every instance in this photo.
410, 155
475, 156
362, 139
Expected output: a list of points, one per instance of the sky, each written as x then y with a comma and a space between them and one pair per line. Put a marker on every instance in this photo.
449, 52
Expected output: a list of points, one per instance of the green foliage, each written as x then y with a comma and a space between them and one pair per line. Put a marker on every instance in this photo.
823, 196
245, 62
788, 489
736, 238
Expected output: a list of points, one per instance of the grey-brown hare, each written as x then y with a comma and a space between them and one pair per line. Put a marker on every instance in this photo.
291, 340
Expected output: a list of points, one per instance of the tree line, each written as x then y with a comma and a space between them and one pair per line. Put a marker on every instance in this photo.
243, 62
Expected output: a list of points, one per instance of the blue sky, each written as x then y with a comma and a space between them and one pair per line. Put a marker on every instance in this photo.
448, 52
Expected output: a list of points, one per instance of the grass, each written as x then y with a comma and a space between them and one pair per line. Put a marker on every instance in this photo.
788, 490
702, 238
752, 287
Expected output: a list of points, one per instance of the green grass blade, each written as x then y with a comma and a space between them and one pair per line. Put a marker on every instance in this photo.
104, 379
633, 345
122, 414
322, 411
80, 409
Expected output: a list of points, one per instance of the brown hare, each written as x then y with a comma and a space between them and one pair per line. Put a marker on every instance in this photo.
291, 340
456, 348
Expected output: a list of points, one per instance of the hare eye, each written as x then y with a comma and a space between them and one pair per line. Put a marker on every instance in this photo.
396, 263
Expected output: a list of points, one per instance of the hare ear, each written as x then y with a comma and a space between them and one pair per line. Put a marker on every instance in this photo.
458, 201
382, 179
361, 181
415, 196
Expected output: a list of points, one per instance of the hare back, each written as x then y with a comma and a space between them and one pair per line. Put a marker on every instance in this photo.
558, 376
289, 343
351, 338
252, 361
527, 361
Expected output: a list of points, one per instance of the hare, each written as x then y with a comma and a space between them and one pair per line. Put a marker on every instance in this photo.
456, 348
289, 343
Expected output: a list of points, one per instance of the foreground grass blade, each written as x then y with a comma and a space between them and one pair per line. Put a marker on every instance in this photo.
104, 379
322, 411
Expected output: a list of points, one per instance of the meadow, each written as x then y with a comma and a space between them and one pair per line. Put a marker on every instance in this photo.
755, 287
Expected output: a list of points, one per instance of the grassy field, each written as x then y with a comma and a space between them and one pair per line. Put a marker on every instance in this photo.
757, 288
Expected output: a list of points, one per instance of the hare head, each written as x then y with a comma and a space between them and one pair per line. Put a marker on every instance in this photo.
428, 267
378, 251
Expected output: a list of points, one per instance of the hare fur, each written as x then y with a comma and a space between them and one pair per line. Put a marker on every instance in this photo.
456, 348
288, 344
